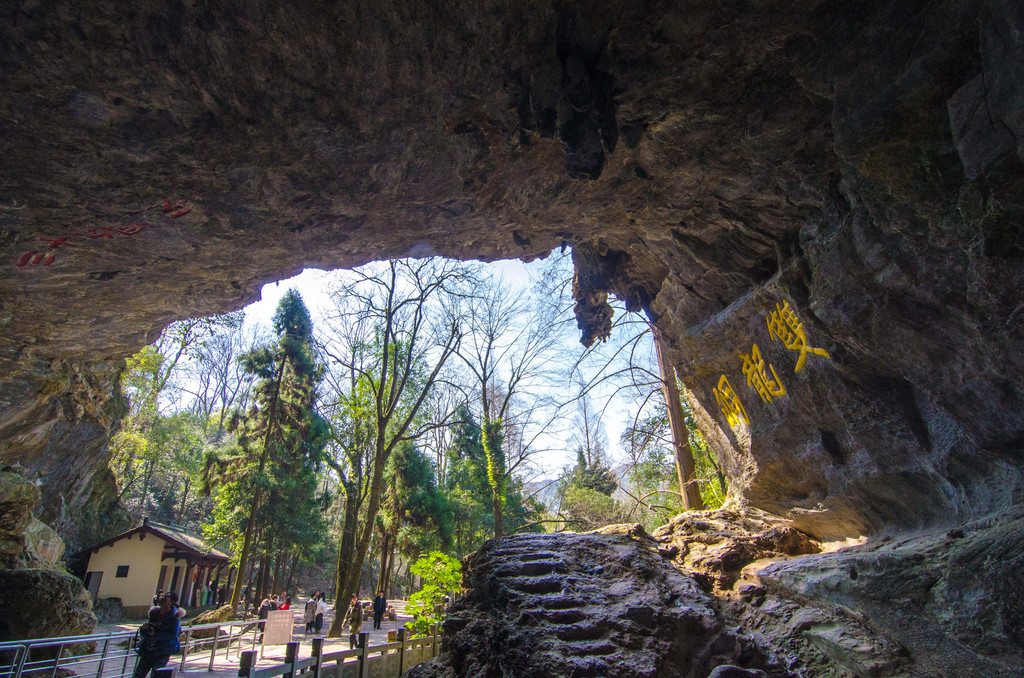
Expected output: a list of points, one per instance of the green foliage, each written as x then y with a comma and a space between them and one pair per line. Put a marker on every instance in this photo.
585, 494
442, 576
414, 509
272, 471
596, 476
590, 508
653, 477
469, 492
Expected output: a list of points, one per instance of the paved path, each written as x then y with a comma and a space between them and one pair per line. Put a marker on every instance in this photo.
198, 662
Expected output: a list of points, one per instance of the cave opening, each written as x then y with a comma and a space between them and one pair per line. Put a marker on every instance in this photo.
817, 205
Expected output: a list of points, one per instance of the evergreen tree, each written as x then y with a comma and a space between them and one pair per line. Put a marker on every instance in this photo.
280, 441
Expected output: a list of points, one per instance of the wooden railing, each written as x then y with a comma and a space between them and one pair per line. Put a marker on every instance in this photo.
389, 660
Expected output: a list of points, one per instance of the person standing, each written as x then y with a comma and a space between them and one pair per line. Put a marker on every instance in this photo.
355, 620
321, 610
380, 604
309, 613
160, 635
265, 609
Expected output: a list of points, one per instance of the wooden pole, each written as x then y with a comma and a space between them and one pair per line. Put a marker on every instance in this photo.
685, 468
291, 651
401, 651
364, 660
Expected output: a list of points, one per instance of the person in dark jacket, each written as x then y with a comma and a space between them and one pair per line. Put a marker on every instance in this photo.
380, 604
266, 607
160, 635
355, 620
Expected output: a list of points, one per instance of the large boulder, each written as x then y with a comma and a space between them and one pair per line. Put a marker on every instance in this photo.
40, 603
108, 610
584, 605
221, 614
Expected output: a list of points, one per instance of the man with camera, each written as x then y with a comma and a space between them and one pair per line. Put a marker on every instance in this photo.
159, 636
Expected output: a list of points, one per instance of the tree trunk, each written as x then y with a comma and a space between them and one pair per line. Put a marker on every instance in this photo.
499, 515
390, 568
146, 481
261, 580
277, 573
685, 467
495, 472
346, 550
184, 499
366, 534
291, 571
385, 554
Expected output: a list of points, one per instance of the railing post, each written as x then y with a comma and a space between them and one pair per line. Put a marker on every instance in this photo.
103, 658
21, 656
317, 653
245, 666
213, 652
402, 633
184, 648
364, 660
433, 647
56, 661
291, 651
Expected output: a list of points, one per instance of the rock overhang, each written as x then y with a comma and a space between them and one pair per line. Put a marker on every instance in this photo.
711, 163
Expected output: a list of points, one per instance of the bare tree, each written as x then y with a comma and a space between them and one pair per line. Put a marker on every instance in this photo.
509, 350
390, 341
214, 377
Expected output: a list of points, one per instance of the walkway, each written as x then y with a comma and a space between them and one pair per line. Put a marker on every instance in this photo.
198, 662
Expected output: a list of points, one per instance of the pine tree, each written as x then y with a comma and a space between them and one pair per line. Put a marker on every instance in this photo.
280, 439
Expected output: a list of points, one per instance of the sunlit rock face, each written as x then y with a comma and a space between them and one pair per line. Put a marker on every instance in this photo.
842, 178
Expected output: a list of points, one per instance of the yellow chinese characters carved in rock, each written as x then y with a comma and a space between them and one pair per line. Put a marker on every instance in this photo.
756, 371
730, 403
786, 326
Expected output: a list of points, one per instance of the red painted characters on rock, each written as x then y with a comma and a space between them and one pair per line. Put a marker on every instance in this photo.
171, 209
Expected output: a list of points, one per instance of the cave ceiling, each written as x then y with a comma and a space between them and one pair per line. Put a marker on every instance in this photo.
857, 164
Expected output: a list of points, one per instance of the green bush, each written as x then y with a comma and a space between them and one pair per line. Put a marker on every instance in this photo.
441, 575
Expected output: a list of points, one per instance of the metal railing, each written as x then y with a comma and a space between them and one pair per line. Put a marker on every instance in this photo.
111, 655
389, 660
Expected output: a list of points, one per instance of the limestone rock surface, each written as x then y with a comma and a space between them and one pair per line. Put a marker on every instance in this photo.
950, 602
43, 603
220, 614
708, 163
583, 605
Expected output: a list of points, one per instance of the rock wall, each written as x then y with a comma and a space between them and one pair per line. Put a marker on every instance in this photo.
710, 164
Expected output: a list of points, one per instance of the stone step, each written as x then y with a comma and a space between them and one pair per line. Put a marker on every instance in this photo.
582, 631
535, 585
537, 568
567, 616
591, 648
